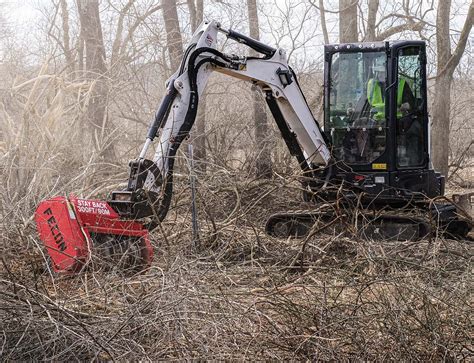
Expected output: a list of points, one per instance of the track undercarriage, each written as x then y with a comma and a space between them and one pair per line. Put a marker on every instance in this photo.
411, 222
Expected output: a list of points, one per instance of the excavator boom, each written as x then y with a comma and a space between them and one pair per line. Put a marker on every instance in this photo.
151, 181
72, 229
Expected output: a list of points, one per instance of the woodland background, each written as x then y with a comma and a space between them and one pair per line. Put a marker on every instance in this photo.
80, 81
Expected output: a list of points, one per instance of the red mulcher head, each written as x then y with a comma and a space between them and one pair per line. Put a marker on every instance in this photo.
72, 228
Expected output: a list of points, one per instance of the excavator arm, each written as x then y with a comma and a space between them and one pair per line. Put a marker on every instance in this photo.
150, 184
71, 228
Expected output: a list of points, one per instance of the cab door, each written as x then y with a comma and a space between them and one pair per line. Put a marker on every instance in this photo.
408, 109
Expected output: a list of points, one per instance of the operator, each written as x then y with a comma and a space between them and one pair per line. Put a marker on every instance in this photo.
376, 94
365, 140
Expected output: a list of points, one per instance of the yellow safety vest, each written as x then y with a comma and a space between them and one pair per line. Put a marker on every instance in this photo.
375, 97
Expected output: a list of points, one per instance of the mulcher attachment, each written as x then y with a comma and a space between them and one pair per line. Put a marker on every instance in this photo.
75, 230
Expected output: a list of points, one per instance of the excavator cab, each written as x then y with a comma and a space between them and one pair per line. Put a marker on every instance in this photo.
375, 115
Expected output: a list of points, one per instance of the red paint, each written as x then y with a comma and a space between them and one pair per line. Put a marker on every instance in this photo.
64, 225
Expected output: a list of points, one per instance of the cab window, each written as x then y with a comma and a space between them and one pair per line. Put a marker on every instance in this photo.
409, 111
356, 117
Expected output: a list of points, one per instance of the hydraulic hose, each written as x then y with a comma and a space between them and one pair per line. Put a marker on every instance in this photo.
183, 132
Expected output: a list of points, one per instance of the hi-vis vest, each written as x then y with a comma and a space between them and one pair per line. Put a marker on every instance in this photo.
375, 96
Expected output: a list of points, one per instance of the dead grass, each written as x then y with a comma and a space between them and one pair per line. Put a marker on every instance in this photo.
238, 296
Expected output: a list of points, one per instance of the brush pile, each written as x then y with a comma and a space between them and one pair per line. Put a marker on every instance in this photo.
237, 293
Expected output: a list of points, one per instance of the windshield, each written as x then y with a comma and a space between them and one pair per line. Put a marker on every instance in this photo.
356, 115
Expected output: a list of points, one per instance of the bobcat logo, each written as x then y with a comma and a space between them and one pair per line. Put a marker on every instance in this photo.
209, 40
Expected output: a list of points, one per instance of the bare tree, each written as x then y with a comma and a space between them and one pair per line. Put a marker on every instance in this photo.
371, 20
173, 33
324, 28
96, 69
264, 161
402, 17
446, 64
66, 36
395, 18
348, 32
196, 12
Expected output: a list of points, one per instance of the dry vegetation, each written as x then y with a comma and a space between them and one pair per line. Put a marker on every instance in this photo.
238, 294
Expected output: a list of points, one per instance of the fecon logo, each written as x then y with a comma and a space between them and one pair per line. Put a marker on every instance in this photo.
54, 228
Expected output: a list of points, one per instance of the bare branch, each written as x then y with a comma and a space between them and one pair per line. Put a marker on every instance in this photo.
453, 61
118, 34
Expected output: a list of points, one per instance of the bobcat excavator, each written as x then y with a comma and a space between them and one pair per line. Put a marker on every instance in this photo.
374, 150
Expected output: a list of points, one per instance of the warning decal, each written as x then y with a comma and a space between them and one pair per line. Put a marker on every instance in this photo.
92, 207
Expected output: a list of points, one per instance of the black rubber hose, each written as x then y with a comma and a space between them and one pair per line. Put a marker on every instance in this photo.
181, 66
185, 128
165, 105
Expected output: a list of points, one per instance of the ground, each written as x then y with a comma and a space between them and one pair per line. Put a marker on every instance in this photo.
239, 294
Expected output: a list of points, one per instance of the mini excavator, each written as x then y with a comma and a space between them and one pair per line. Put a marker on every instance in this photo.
375, 144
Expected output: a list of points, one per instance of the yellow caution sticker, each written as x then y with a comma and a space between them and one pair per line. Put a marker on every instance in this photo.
381, 166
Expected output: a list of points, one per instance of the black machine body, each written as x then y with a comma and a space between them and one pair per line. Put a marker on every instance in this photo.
376, 119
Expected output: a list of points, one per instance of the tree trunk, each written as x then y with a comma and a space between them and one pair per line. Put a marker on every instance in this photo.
174, 41
442, 104
324, 28
371, 21
66, 39
196, 8
264, 161
440, 129
95, 70
348, 32
199, 11
447, 63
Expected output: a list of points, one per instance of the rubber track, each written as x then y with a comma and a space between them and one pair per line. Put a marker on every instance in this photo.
383, 226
